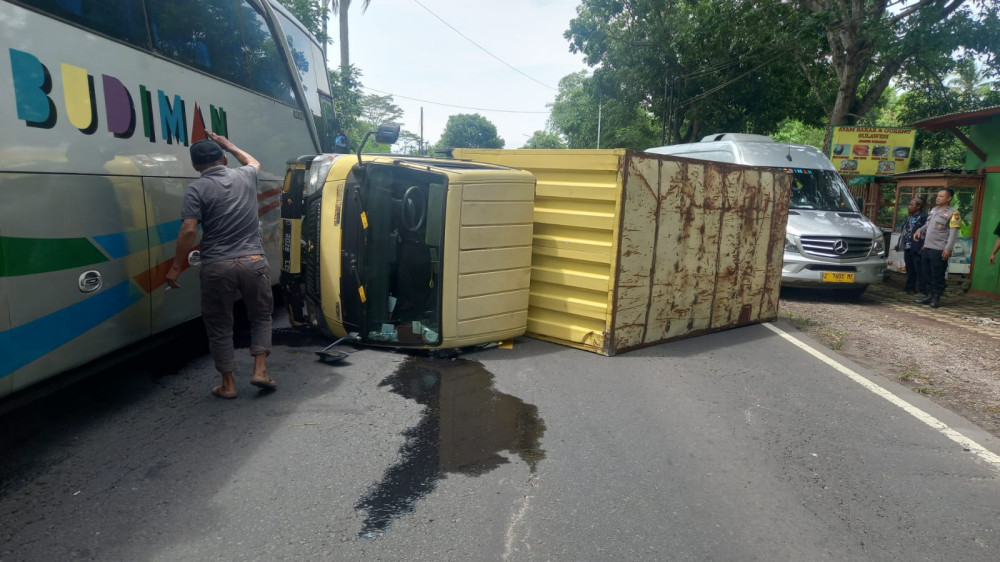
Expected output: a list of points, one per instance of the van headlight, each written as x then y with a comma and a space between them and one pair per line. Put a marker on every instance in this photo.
878, 247
791, 244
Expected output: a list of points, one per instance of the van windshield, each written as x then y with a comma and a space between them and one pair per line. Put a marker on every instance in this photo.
819, 190
401, 271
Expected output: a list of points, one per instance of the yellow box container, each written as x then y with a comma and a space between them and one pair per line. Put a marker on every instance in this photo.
631, 249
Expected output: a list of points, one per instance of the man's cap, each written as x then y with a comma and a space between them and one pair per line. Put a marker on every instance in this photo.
205, 152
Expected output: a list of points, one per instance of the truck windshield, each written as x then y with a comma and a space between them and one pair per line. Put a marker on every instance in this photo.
402, 254
819, 190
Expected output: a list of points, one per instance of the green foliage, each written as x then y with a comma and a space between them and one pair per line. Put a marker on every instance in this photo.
697, 66
347, 96
311, 14
469, 131
705, 66
408, 144
377, 110
969, 88
544, 139
796, 132
574, 113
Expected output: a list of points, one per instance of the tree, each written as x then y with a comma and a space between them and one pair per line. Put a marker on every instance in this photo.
347, 97
868, 43
312, 14
408, 144
588, 118
574, 112
377, 110
796, 132
971, 80
469, 131
544, 139
679, 70
703, 66
340, 8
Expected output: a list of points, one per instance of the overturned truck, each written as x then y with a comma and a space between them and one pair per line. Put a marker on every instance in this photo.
612, 249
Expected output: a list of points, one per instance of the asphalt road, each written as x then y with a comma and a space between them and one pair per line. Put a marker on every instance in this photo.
731, 446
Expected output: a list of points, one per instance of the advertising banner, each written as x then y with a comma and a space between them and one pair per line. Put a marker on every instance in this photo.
871, 151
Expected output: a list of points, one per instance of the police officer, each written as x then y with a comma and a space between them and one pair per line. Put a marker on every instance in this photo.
939, 234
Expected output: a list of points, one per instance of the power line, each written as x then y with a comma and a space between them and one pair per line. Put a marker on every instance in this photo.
715, 89
449, 104
483, 49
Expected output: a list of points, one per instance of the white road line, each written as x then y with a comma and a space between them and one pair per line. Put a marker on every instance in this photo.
968, 444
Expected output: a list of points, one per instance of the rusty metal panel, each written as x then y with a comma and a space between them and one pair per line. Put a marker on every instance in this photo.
701, 249
632, 249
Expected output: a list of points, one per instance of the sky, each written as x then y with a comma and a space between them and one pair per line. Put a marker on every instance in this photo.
402, 49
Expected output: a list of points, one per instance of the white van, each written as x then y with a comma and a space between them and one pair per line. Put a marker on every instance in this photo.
828, 242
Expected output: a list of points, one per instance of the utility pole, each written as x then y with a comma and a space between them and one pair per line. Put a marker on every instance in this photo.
663, 122
670, 113
326, 38
421, 150
598, 124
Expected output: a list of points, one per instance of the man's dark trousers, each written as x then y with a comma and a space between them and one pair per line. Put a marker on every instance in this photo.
916, 277
935, 268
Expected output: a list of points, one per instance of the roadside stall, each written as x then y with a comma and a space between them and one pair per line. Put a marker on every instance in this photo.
968, 187
981, 137
877, 197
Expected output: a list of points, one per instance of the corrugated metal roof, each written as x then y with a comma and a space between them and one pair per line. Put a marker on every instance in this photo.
970, 117
940, 171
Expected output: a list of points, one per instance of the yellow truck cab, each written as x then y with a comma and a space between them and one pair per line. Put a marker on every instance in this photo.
407, 251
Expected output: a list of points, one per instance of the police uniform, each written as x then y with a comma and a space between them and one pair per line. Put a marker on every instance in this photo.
939, 234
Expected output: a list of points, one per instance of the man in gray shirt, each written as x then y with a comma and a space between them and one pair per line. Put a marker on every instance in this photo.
224, 201
939, 234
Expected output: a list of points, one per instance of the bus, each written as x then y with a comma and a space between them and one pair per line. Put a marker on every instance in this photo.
100, 101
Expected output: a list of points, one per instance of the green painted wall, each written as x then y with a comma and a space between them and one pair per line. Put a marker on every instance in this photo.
986, 277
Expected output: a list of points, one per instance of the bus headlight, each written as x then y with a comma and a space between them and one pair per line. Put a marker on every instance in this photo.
791, 244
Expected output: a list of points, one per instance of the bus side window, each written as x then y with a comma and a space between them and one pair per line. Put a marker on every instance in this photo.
326, 125
204, 34
268, 73
120, 19
308, 59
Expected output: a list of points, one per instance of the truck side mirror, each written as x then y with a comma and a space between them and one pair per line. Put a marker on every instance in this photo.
387, 133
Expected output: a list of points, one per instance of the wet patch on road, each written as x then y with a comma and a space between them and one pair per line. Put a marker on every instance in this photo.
465, 426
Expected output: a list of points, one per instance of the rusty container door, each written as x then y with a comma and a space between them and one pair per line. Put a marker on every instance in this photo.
700, 249
632, 249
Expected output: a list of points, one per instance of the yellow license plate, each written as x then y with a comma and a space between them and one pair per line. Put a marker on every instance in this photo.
838, 277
